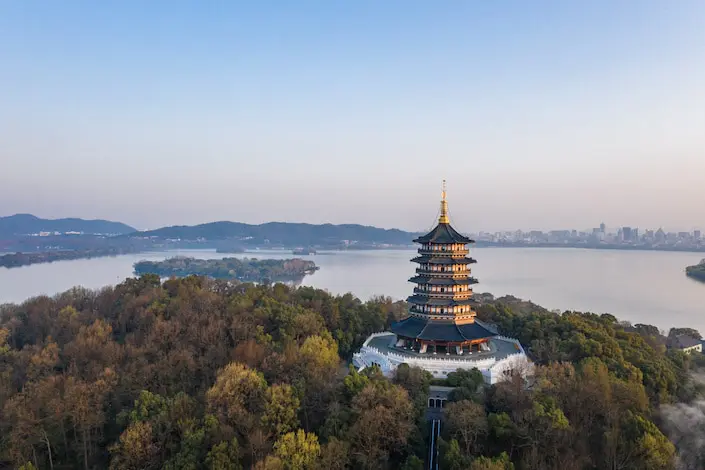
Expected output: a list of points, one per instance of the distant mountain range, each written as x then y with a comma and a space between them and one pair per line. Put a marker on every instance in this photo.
19, 225
15, 232
283, 233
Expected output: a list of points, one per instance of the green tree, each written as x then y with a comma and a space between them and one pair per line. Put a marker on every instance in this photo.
237, 396
136, 448
413, 463
497, 463
224, 456
298, 450
280, 410
452, 457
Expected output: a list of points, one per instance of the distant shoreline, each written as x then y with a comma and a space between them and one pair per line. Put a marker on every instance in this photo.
481, 244
28, 258
69, 254
22, 259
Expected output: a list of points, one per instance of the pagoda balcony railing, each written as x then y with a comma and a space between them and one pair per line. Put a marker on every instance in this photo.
444, 295
446, 315
439, 253
428, 272
470, 279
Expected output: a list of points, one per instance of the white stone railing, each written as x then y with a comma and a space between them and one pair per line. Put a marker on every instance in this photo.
431, 359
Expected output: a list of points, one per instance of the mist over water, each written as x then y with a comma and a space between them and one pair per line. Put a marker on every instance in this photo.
637, 286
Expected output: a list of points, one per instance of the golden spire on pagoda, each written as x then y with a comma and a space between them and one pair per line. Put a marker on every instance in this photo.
443, 219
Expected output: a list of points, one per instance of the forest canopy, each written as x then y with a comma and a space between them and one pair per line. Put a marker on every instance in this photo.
203, 374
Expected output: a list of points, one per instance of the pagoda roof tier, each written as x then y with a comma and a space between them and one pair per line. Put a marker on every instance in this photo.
443, 233
419, 328
442, 260
438, 302
443, 281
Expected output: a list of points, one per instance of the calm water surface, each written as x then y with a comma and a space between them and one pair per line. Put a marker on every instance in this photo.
638, 286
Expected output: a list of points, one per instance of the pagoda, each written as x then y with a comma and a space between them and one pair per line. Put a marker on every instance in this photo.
441, 318
441, 333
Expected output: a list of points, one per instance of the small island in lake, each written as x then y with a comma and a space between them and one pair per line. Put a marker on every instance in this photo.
246, 269
697, 271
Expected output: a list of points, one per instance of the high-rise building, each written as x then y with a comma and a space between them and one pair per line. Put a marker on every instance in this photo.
626, 234
603, 227
696, 234
441, 332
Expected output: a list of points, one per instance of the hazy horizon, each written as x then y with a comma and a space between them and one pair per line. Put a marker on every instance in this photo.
542, 115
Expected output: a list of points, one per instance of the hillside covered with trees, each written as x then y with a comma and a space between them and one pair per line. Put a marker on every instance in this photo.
19, 225
284, 234
195, 373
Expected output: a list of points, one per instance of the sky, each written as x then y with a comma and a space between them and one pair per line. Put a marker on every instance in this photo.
540, 115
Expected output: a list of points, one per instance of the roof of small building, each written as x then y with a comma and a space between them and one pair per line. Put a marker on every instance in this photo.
414, 327
443, 233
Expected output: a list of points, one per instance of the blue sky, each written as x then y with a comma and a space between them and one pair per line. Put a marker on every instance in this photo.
544, 114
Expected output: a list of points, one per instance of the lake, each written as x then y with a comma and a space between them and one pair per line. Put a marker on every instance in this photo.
637, 286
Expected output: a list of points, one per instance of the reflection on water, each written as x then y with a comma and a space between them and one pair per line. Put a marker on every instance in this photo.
638, 286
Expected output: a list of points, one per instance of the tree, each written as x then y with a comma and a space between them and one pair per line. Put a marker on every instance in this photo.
466, 422
415, 380
467, 383
85, 402
334, 455
355, 382
237, 395
298, 450
7, 358
136, 448
384, 419
280, 410
224, 456
412, 463
498, 463
318, 361
675, 332
452, 457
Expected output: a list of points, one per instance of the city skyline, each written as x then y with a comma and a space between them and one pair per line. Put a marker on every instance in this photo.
546, 114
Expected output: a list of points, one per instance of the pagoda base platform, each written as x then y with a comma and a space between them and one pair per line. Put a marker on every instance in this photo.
504, 357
